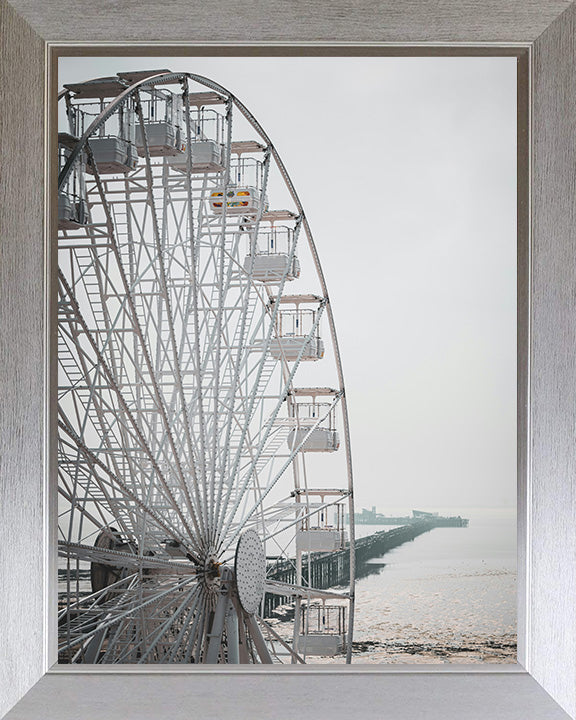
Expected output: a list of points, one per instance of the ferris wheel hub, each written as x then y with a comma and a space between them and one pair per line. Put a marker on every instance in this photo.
212, 568
250, 570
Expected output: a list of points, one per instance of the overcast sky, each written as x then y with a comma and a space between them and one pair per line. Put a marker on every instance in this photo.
406, 168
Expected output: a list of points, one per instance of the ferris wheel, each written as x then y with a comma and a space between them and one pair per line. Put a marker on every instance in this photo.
203, 447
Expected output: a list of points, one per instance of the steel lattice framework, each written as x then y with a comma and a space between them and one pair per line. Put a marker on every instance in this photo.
182, 428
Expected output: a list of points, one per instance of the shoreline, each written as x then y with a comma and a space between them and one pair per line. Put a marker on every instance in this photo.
471, 650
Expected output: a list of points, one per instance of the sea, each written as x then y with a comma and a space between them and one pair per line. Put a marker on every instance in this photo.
448, 596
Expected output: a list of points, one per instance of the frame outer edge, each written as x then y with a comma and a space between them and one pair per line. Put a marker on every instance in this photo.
22, 284
324, 21
552, 564
21, 426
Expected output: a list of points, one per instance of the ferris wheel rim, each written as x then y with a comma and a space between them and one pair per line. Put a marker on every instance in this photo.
166, 77
231, 99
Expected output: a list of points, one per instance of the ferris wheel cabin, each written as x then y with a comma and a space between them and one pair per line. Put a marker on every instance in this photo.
324, 629
113, 149
244, 194
161, 129
315, 429
274, 257
317, 533
239, 200
316, 439
298, 335
72, 205
206, 127
322, 626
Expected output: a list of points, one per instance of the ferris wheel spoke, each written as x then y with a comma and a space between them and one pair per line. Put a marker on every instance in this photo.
270, 630
229, 533
165, 291
173, 409
94, 403
256, 489
91, 602
128, 604
187, 633
139, 526
222, 328
83, 487
217, 343
228, 411
82, 491
218, 325
150, 644
79, 506
195, 311
243, 401
258, 370
85, 623
148, 362
276, 587
115, 483
266, 433
117, 559
138, 432
193, 641
216, 379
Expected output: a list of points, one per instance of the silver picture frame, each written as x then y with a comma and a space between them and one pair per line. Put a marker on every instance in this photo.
542, 685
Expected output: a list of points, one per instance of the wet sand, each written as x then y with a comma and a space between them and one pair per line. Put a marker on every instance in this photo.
448, 597
462, 650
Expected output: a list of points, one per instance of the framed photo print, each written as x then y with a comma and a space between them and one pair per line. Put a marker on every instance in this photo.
288, 381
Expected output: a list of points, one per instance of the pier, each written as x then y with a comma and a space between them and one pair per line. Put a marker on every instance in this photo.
371, 517
330, 569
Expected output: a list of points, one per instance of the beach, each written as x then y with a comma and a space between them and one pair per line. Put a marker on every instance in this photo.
448, 596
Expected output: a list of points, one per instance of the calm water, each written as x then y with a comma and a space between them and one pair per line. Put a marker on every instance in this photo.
448, 596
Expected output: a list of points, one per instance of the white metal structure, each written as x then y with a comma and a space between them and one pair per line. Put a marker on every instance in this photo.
181, 464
